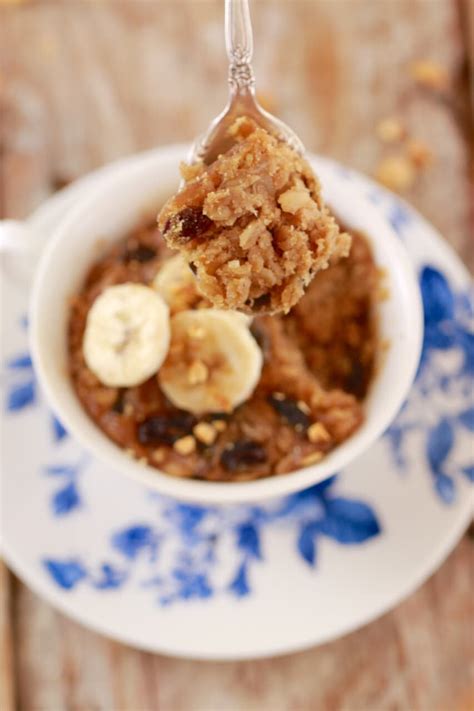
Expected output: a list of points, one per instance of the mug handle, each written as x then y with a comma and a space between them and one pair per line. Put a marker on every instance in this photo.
19, 249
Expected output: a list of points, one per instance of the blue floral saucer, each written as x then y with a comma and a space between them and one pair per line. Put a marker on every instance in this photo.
246, 581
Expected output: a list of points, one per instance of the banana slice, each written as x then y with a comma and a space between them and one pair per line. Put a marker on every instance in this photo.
176, 283
213, 364
178, 286
127, 335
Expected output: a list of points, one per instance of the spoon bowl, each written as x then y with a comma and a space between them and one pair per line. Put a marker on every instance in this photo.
242, 101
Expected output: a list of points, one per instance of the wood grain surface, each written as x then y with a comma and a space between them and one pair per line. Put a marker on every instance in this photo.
83, 82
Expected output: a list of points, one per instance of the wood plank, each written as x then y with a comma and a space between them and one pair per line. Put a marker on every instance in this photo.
7, 670
82, 83
416, 657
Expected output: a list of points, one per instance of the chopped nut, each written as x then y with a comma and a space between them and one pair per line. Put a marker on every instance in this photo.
249, 235
312, 458
219, 425
430, 74
175, 469
197, 332
233, 264
189, 172
205, 433
396, 172
304, 407
318, 433
419, 153
295, 199
185, 445
198, 373
158, 455
390, 130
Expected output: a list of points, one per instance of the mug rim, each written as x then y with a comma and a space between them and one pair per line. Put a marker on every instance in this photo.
94, 440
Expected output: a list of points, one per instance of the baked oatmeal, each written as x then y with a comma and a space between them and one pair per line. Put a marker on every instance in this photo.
304, 395
253, 224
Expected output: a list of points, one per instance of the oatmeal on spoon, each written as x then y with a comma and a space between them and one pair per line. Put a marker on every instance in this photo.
249, 218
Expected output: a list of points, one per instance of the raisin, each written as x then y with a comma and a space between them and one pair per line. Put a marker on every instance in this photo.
140, 254
165, 429
261, 302
289, 410
119, 402
219, 416
242, 455
193, 268
191, 221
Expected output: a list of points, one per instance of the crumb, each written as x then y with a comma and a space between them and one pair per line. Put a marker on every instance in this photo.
390, 130
430, 74
396, 172
419, 153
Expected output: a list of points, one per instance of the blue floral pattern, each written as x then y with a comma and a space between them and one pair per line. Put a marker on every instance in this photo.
66, 497
448, 324
22, 387
177, 552
189, 537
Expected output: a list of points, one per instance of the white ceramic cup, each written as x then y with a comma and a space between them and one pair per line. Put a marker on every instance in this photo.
118, 200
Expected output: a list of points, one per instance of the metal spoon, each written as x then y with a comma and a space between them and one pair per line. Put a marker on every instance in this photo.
242, 101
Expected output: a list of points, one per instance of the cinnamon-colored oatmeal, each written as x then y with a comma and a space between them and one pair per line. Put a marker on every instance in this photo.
253, 224
318, 361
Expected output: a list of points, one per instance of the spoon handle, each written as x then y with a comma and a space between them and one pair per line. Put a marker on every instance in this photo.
239, 45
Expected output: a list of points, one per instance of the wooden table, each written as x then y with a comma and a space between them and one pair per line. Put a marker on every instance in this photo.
83, 82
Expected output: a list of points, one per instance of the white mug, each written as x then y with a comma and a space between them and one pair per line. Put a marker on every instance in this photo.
116, 201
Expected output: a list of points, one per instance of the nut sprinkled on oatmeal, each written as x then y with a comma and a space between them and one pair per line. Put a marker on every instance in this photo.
197, 332
304, 407
318, 433
219, 425
306, 370
205, 433
253, 224
312, 458
198, 373
185, 445
158, 455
